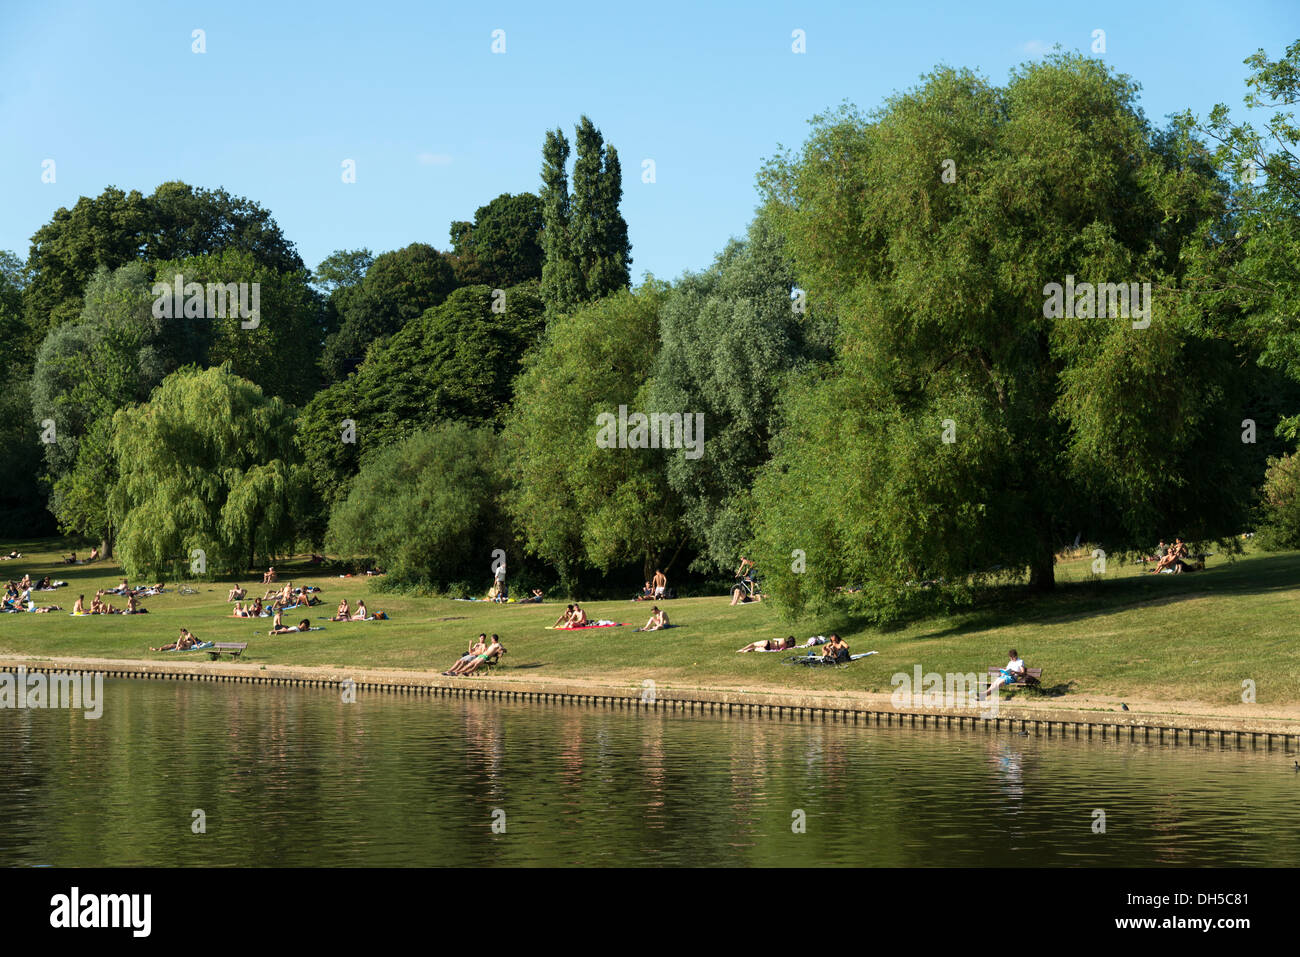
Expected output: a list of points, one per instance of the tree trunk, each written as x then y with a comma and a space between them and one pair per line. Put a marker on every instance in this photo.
1042, 572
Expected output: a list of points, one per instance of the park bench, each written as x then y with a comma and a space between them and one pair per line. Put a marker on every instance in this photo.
1030, 677
232, 648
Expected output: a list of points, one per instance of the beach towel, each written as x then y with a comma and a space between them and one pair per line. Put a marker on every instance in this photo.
816, 659
603, 623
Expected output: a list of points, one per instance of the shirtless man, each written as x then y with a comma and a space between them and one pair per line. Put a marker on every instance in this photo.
79, 606
660, 583
236, 594
658, 620
564, 619
579, 617
494, 650
476, 648
279, 629
836, 648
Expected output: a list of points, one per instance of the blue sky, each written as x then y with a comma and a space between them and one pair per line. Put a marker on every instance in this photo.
438, 124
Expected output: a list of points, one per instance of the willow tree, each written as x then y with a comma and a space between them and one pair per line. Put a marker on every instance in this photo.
984, 407
207, 476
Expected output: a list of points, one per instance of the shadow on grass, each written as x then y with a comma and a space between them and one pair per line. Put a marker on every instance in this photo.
1013, 605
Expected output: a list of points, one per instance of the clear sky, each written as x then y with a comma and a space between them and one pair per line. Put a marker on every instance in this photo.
438, 124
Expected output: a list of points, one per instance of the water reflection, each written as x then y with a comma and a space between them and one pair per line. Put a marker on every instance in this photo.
295, 776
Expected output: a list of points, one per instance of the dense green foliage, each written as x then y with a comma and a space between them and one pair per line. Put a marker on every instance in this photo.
426, 507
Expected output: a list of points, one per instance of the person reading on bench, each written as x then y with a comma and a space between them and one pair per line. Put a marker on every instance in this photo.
658, 620
342, 614
836, 648
494, 650
564, 619
1014, 671
476, 648
236, 594
772, 644
184, 643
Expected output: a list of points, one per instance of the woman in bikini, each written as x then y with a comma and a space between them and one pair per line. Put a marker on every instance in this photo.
184, 643
360, 614
342, 613
279, 629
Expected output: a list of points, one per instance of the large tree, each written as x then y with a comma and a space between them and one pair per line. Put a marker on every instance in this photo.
426, 507
584, 236
581, 504
457, 361
970, 424
398, 286
728, 338
207, 465
176, 221
502, 247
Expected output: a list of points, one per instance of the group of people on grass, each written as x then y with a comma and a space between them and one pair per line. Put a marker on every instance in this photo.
1172, 559
833, 646
98, 606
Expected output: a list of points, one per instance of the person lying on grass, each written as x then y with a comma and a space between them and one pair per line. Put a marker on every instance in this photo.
343, 613
184, 643
476, 648
494, 650
836, 648
771, 644
237, 594
563, 620
280, 629
535, 597
739, 597
658, 620
1014, 670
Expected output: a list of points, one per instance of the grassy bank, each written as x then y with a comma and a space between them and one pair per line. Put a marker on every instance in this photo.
1169, 638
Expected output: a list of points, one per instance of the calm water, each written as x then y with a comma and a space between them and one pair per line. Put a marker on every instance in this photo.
292, 776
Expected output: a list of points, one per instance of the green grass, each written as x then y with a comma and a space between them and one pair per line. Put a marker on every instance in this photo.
1145, 638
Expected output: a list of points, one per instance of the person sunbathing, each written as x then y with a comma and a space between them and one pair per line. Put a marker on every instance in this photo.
94, 555
660, 583
534, 598
579, 617
46, 608
360, 614
237, 594
771, 644
476, 648
279, 629
658, 620
11, 556
836, 648
343, 613
270, 576
1176, 553
740, 597
185, 642
79, 606
564, 619
25, 582
647, 593
133, 607
494, 650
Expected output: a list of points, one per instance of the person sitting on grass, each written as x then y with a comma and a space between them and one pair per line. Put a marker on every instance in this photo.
133, 607
740, 597
647, 593
771, 644
658, 620
279, 629
269, 577
579, 617
343, 613
563, 620
476, 648
360, 614
237, 594
70, 560
1014, 671
184, 643
255, 609
1177, 552
494, 650
534, 598
94, 554
836, 648
79, 606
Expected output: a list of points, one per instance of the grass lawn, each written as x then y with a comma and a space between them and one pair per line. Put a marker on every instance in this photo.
1145, 638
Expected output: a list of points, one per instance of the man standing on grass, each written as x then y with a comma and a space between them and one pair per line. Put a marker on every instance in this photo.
503, 592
